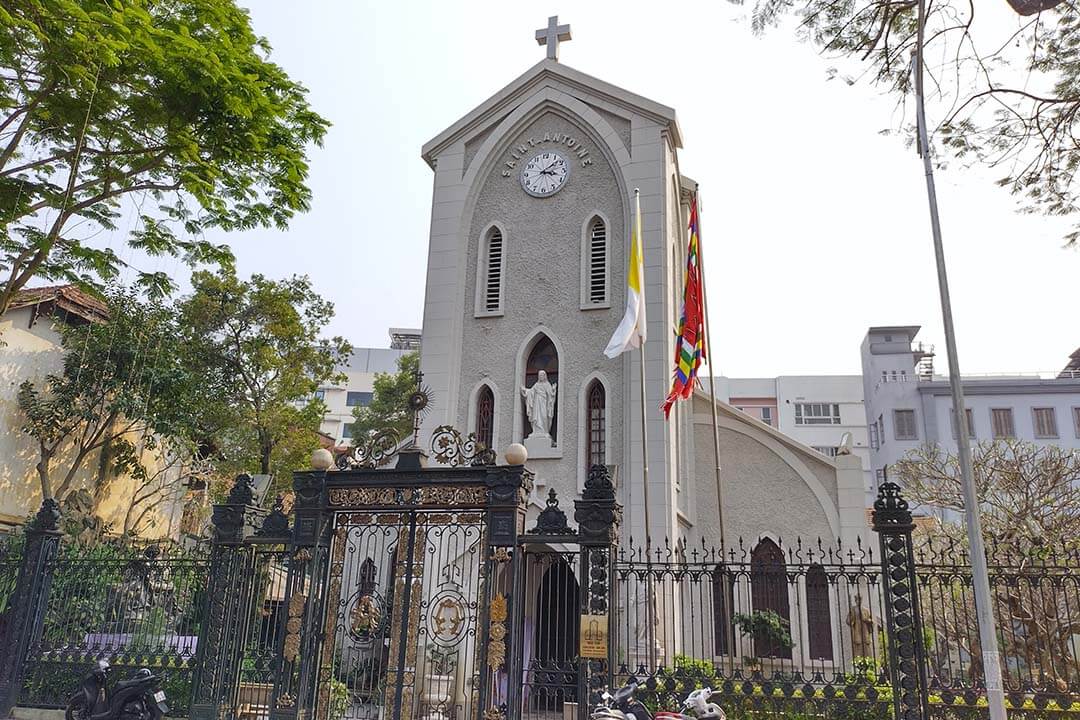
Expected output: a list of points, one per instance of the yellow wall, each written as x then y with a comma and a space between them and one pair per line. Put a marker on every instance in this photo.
30, 353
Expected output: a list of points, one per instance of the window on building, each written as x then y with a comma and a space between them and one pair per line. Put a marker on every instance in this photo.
354, 399
1076, 420
817, 414
723, 593
346, 431
1001, 422
319, 395
769, 591
596, 263
881, 429
818, 615
879, 477
970, 423
904, 425
596, 422
827, 450
766, 415
485, 417
1045, 421
490, 276
874, 442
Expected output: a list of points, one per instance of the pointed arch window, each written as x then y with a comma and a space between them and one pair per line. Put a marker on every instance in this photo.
594, 264
723, 594
485, 416
818, 619
596, 424
491, 273
769, 592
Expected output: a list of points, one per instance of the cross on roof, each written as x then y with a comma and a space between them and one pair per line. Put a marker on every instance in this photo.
552, 35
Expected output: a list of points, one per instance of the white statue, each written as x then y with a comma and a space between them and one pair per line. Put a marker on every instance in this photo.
540, 405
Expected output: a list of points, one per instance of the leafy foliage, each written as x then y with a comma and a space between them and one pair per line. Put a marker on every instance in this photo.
171, 107
124, 385
257, 344
389, 406
1008, 93
765, 626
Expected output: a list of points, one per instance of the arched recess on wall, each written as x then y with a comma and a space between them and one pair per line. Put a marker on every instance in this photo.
818, 615
769, 593
543, 357
491, 271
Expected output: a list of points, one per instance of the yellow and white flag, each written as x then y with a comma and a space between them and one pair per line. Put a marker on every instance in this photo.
631, 331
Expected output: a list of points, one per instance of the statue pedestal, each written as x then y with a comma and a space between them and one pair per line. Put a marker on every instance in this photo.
540, 448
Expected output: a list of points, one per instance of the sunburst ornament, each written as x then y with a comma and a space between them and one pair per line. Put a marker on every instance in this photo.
419, 401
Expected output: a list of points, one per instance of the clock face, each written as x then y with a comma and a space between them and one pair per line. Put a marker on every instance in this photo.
545, 174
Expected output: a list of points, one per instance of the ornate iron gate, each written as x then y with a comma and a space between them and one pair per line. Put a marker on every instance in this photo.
406, 594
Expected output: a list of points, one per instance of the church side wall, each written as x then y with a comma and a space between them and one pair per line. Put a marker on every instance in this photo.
542, 239
763, 494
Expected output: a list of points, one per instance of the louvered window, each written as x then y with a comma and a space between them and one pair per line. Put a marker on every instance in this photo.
491, 286
597, 263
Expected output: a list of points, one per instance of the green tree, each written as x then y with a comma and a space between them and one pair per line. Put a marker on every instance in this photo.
124, 382
257, 343
389, 406
1007, 95
171, 107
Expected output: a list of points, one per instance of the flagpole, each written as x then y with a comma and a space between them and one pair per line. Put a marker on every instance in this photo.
649, 599
712, 373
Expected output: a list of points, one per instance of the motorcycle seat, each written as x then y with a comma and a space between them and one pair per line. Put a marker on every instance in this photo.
134, 682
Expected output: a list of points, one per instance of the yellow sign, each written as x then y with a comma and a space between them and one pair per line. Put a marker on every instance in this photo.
594, 637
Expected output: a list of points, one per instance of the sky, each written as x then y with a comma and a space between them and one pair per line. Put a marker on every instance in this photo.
815, 224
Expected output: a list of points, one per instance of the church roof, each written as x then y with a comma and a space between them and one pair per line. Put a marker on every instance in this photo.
535, 77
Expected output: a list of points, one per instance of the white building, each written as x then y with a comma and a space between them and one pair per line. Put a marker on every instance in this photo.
907, 404
815, 410
356, 390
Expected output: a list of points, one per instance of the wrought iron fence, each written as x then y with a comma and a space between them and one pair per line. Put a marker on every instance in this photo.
134, 607
1036, 596
801, 628
771, 628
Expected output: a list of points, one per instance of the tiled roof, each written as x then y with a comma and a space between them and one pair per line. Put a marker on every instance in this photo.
67, 298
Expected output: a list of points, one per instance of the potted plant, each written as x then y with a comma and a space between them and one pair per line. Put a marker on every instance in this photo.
438, 682
768, 630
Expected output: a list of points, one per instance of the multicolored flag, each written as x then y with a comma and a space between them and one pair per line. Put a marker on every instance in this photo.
631, 330
690, 345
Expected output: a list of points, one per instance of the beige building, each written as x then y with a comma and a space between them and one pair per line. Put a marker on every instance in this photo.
30, 349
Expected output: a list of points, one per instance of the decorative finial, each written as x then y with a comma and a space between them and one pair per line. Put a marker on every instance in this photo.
552, 35
418, 403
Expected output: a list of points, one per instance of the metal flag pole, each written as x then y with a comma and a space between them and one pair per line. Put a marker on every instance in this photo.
712, 374
649, 599
983, 606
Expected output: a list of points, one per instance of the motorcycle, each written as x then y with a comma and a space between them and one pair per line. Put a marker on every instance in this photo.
623, 706
140, 697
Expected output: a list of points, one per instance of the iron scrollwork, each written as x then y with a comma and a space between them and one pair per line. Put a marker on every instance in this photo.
450, 447
371, 452
552, 520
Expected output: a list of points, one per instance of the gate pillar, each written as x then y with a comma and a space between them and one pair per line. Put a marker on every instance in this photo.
24, 623
598, 516
295, 694
217, 676
508, 488
907, 655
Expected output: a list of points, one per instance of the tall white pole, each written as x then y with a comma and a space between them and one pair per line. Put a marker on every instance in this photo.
984, 609
649, 597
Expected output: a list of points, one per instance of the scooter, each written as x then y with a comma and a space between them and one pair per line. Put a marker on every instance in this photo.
621, 706
698, 702
140, 697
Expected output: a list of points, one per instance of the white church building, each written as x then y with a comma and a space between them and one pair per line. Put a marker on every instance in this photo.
526, 272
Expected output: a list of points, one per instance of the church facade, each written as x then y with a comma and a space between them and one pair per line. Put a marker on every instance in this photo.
526, 274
